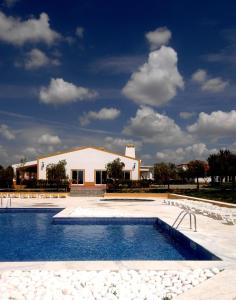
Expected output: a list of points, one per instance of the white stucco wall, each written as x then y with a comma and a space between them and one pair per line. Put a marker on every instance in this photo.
88, 159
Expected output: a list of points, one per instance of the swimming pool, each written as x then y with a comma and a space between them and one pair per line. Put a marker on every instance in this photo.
31, 235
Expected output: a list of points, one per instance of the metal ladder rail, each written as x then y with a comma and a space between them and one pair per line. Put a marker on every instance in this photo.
182, 212
185, 213
8, 203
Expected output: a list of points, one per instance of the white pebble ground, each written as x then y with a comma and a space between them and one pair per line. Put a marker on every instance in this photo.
110, 285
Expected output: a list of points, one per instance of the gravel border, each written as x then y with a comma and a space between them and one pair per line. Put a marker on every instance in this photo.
100, 285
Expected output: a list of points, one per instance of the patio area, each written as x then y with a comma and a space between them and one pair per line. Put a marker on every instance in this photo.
214, 235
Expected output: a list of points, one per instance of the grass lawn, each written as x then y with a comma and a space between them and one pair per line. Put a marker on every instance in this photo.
212, 194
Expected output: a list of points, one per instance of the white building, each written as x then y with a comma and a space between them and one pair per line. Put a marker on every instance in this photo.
147, 172
85, 166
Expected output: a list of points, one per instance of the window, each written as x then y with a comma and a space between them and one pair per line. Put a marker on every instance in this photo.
126, 175
101, 177
77, 176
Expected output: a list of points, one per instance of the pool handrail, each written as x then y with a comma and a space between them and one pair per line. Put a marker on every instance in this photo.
184, 213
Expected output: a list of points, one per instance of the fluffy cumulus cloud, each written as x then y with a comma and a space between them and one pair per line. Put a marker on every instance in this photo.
48, 139
17, 32
62, 92
156, 82
6, 132
216, 124
209, 84
155, 128
35, 138
79, 32
160, 36
37, 59
199, 76
185, 154
214, 85
118, 144
103, 114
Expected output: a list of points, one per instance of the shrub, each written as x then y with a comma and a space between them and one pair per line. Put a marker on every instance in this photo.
6, 177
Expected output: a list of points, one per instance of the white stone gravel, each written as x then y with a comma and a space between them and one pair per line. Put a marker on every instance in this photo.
89, 285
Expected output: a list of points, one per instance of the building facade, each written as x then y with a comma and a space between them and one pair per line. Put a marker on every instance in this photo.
85, 166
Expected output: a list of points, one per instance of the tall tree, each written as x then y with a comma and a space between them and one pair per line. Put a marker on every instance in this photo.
164, 172
9, 175
197, 169
232, 169
221, 164
214, 166
6, 176
224, 157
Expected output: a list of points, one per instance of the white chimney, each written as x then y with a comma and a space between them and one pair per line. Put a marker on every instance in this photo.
130, 150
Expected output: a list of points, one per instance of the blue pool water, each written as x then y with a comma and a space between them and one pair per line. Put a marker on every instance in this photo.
31, 236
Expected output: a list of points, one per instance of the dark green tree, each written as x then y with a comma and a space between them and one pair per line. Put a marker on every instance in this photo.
224, 157
182, 174
164, 172
9, 175
214, 167
223, 165
232, 169
115, 170
197, 169
6, 177
56, 172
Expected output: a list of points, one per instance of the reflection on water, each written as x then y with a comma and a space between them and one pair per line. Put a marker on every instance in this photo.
32, 236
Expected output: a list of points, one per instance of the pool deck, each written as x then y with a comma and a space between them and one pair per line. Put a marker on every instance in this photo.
218, 238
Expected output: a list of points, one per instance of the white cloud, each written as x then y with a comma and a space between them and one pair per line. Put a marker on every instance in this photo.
216, 124
17, 32
62, 92
209, 84
184, 155
186, 115
37, 59
31, 152
48, 139
146, 156
199, 76
6, 132
103, 114
158, 37
214, 85
153, 128
156, 82
118, 144
80, 32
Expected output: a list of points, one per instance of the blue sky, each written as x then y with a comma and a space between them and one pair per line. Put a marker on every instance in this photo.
159, 74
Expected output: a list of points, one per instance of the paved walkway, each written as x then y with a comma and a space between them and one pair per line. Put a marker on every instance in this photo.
212, 234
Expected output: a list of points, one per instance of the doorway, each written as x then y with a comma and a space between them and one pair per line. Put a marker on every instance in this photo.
77, 176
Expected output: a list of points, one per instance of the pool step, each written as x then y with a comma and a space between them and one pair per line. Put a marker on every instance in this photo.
87, 191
